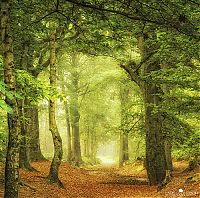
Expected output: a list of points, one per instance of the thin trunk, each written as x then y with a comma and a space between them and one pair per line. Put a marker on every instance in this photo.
76, 147
126, 153
54, 169
87, 143
168, 137
69, 141
168, 154
12, 157
123, 150
76, 154
24, 161
93, 146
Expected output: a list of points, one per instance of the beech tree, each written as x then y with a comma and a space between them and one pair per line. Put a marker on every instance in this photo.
53, 173
12, 157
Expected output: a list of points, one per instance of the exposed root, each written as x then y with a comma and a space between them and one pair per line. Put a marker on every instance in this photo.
193, 165
164, 183
21, 183
56, 182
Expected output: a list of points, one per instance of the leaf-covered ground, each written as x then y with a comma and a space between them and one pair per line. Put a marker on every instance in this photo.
104, 182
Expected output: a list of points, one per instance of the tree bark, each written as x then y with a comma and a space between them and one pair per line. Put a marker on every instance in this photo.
93, 145
24, 160
123, 150
155, 151
53, 173
12, 157
76, 147
168, 154
69, 138
32, 128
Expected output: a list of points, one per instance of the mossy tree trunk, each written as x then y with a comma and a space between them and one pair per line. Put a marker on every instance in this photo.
76, 147
54, 169
69, 136
32, 128
155, 150
93, 145
155, 161
12, 157
168, 154
24, 160
123, 150
75, 116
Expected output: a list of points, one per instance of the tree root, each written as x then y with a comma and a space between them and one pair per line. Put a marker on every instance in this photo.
193, 164
56, 182
164, 183
21, 183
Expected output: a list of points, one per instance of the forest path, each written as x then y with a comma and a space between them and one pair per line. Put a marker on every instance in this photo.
112, 174
102, 182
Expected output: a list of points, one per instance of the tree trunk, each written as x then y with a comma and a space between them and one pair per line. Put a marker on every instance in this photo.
93, 145
155, 151
32, 128
69, 139
24, 161
123, 150
123, 153
12, 157
168, 137
168, 154
30, 112
76, 148
53, 173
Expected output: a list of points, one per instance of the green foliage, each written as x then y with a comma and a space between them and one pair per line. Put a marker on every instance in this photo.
181, 76
3, 134
3, 145
30, 87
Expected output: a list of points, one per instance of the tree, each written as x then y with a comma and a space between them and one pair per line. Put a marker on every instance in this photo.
12, 157
155, 153
74, 109
53, 173
123, 151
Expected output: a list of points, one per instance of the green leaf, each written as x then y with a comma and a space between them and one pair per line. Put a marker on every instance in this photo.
5, 107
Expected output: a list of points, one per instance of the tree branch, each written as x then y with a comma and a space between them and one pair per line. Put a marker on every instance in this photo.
134, 76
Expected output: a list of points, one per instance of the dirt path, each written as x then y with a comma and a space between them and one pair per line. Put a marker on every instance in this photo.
99, 182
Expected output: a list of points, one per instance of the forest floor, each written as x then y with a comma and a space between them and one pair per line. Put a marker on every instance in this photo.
103, 182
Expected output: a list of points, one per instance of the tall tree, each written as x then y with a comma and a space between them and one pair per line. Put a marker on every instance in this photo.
123, 151
12, 157
75, 115
53, 173
155, 153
